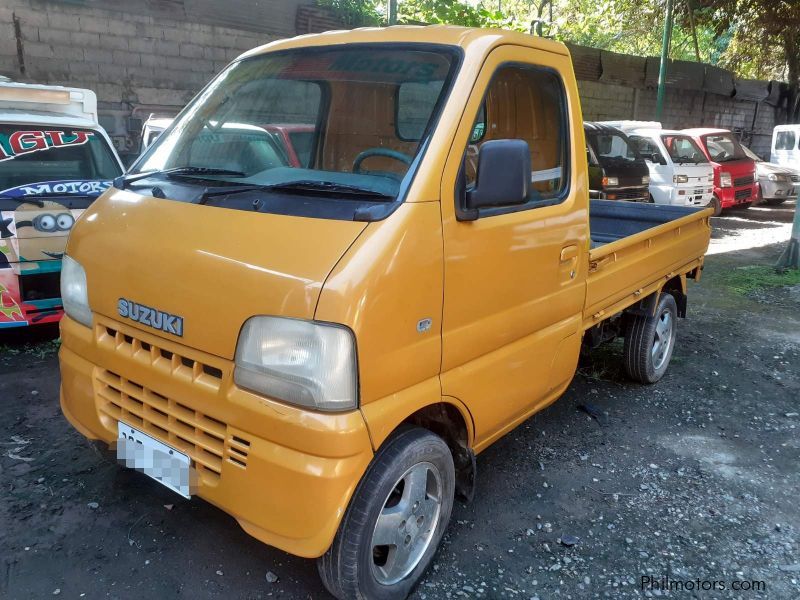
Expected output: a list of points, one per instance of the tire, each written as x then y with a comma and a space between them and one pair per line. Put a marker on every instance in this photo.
354, 567
650, 341
716, 205
774, 201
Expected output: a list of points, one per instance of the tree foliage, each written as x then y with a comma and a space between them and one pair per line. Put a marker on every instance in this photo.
757, 39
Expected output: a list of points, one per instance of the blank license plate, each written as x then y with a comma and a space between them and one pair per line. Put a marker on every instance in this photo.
168, 466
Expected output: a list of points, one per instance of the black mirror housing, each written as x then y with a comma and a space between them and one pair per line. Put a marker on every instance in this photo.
503, 176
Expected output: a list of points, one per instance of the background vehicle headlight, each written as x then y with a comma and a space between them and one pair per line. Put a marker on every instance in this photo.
680, 179
725, 180
74, 293
610, 181
304, 363
777, 177
646, 180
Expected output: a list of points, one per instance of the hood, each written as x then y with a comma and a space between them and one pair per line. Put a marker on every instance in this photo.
214, 267
737, 168
697, 174
766, 168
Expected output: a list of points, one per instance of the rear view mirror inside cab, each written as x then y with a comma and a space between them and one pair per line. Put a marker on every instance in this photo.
503, 175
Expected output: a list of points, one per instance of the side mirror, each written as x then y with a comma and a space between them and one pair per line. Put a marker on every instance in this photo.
503, 177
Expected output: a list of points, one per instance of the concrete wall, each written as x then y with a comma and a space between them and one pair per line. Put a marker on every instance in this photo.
682, 108
152, 56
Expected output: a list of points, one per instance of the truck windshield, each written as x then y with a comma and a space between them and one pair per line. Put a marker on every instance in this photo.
57, 159
683, 149
723, 147
350, 119
612, 147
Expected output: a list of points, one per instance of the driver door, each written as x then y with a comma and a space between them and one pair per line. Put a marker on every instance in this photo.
515, 276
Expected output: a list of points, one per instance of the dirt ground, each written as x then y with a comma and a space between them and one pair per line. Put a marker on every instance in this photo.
695, 478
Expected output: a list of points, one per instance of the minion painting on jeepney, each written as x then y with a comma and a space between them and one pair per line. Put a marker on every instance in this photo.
45, 186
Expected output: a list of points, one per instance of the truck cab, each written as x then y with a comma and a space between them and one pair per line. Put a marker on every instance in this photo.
785, 147
322, 350
735, 184
616, 169
55, 159
680, 174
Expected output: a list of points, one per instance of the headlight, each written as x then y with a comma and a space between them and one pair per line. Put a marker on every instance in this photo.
711, 177
776, 177
725, 180
304, 363
610, 181
646, 180
74, 294
680, 179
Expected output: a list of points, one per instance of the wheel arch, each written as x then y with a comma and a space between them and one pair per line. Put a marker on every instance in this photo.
449, 419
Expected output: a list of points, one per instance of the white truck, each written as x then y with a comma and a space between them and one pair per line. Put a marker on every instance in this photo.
785, 149
680, 175
55, 159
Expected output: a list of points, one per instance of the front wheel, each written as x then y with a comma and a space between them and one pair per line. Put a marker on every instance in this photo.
716, 204
650, 340
395, 520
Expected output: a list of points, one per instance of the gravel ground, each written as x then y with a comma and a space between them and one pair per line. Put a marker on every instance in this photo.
693, 479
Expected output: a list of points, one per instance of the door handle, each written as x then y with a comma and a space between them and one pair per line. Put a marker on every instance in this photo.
568, 253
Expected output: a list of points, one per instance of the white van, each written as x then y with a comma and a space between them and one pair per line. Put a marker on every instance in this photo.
785, 149
679, 171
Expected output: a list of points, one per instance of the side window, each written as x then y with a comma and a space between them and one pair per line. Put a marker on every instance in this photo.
784, 140
525, 103
645, 146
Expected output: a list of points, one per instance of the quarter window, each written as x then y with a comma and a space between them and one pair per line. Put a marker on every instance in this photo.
784, 140
526, 103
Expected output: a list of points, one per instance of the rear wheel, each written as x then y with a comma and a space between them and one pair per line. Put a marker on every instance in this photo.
395, 520
716, 205
650, 340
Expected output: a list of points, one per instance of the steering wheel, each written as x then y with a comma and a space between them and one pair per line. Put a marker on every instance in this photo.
369, 152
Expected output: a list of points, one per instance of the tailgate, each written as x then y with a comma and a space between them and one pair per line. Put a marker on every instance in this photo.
623, 271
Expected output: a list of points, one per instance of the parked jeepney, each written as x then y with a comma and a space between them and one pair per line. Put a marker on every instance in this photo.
55, 159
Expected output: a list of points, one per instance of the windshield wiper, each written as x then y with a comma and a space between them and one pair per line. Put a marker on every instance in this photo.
297, 187
123, 180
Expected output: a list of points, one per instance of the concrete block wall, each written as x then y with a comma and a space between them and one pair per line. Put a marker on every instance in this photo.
137, 63
682, 108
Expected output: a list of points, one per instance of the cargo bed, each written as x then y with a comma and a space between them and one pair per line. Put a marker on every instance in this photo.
636, 248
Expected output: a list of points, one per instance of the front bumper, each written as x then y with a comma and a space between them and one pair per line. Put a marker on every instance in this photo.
691, 195
285, 474
772, 190
734, 196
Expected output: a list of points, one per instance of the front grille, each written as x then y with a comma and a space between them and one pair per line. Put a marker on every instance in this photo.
747, 180
110, 337
795, 178
742, 194
204, 439
629, 194
40, 286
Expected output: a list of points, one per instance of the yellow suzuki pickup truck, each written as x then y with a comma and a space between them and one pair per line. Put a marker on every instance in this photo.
321, 349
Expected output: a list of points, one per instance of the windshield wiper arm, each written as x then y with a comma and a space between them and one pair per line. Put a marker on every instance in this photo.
326, 186
292, 187
123, 180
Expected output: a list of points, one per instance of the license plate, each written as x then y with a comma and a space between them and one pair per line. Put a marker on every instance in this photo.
168, 466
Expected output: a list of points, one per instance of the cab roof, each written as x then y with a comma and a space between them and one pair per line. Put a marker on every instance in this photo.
705, 130
480, 40
600, 127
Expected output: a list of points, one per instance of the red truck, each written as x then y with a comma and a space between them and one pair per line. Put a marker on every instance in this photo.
735, 183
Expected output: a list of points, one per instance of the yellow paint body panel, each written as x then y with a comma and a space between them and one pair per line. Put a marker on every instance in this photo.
486, 316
